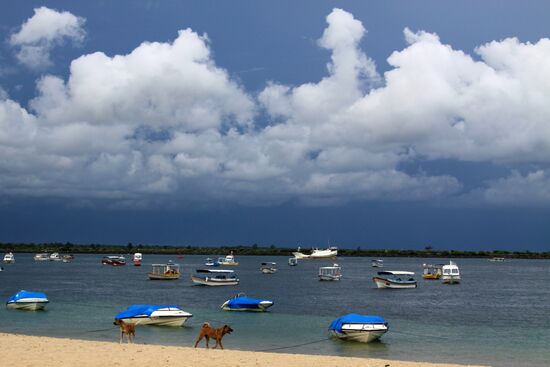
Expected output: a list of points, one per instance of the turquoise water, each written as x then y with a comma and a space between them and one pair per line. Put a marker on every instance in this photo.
499, 314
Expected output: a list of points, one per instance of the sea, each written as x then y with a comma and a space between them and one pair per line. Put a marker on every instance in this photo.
498, 315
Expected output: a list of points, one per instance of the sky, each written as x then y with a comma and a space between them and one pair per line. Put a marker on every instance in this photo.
356, 123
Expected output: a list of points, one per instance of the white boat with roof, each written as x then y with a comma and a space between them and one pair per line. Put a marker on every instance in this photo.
268, 268
228, 260
55, 256
451, 273
161, 315
138, 257
215, 277
169, 271
292, 261
44, 256
360, 328
328, 253
395, 279
329, 273
9, 258
27, 300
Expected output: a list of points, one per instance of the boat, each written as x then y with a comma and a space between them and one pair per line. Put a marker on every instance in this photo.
161, 315
268, 268
211, 262
215, 277
42, 257
137, 259
243, 303
228, 260
451, 273
26, 300
432, 272
292, 261
9, 258
328, 253
333, 272
168, 271
67, 258
55, 256
360, 328
377, 263
497, 259
395, 279
113, 260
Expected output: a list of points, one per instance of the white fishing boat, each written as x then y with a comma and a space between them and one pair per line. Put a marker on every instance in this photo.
228, 260
377, 263
395, 279
161, 315
55, 256
215, 277
268, 268
292, 261
328, 253
9, 258
360, 328
451, 273
329, 273
138, 257
169, 271
42, 257
29, 301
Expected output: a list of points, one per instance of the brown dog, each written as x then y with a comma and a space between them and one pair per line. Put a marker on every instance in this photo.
217, 334
128, 329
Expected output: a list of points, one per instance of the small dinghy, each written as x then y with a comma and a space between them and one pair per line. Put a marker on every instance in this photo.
360, 328
162, 315
268, 268
243, 303
25, 300
395, 279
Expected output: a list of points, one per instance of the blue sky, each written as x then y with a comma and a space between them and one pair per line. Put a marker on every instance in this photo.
373, 124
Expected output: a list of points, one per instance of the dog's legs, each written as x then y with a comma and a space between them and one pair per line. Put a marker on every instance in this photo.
221, 345
207, 340
121, 336
198, 340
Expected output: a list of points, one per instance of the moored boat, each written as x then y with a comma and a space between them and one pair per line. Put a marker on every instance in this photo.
161, 315
26, 300
377, 263
451, 273
67, 258
292, 261
432, 272
359, 328
243, 303
137, 259
211, 262
497, 259
268, 268
169, 271
395, 279
114, 260
55, 256
215, 277
228, 260
9, 258
329, 273
44, 256
328, 253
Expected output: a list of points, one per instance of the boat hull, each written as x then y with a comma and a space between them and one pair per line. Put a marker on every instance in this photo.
159, 321
268, 271
359, 336
153, 276
214, 282
450, 279
389, 283
27, 306
229, 263
330, 277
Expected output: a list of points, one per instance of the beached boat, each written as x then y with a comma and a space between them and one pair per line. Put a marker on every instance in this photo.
377, 263
211, 262
42, 257
333, 272
395, 279
9, 258
243, 303
432, 272
161, 315
328, 253
55, 256
292, 261
451, 273
114, 260
228, 260
138, 257
215, 277
168, 271
30, 301
359, 328
268, 268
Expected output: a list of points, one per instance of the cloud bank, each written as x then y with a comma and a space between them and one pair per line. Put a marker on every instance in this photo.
164, 124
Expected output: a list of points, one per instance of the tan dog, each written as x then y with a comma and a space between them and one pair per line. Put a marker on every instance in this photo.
217, 334
128, 329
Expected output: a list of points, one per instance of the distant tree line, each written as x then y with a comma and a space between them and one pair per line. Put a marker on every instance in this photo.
254, 249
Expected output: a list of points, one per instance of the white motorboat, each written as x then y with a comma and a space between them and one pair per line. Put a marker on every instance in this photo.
215, 277
161, 315
138, 257
210, 262
451, 273
42, 257
395, 279
328, 253
168, 271
333, 272
55, 256
497, 259
377, 263
292, 261
268, 268
243, 303
9, 258
228, 260
29, 301
359, 328
114, 260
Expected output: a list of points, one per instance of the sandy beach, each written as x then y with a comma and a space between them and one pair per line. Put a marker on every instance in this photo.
29, 351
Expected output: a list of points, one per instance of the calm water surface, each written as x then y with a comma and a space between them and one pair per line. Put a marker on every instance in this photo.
499, 314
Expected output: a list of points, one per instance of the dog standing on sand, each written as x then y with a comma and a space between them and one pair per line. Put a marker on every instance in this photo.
217, 334
128, 329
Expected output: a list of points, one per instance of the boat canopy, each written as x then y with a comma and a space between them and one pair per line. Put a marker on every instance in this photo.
26, 294
354, 318
395, 273
245, 302
214, 271
141, 310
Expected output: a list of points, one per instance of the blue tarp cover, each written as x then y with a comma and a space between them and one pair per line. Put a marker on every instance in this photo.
137, 310
353, 318
26, 294
244, 302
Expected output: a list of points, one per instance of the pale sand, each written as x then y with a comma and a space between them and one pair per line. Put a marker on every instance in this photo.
30, 351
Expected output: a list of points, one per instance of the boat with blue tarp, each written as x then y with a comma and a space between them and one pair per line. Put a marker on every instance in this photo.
163, 315
361, 328
243, 303
27, 300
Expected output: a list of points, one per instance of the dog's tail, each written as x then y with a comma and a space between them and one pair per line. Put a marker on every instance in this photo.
206, 324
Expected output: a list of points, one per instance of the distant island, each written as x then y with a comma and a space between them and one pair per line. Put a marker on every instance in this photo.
257, 250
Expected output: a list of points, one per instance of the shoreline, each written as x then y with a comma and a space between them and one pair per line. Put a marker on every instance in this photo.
26, 350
